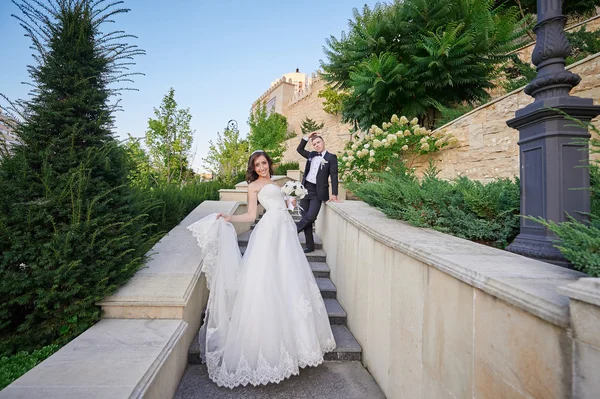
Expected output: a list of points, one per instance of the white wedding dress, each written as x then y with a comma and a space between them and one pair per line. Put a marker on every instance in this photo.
265, 316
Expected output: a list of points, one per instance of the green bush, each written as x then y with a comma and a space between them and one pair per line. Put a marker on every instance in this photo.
176, 202
71, 229
12, 367
580, 242
488, 214
282, 168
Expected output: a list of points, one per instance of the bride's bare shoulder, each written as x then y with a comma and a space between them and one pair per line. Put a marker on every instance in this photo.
254, 186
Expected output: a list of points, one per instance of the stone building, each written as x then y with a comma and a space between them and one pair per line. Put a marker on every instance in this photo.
296, 96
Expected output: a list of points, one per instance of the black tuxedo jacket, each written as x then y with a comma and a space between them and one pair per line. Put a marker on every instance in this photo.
326, 170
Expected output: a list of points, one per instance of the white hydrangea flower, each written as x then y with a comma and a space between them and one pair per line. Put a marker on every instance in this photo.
395, 119
404, 147
414, 121
372, 153
366, 145
371, 160
403, 120
376, 143
354, 147
425, 146
407, 132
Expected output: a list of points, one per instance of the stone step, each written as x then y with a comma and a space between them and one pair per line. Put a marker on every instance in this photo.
337, 314
337, 318
326, 287
318, 255
244, 237
320, 269
347, 347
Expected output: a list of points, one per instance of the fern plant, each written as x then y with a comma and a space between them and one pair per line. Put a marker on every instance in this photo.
414, 56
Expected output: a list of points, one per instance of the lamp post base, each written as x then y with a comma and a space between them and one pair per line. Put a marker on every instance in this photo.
538, 248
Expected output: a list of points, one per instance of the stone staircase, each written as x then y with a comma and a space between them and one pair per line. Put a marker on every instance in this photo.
347, 348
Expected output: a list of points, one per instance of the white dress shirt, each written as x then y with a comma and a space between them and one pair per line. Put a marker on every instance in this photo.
315, 164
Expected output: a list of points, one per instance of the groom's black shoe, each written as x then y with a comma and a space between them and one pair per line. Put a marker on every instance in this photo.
307, 250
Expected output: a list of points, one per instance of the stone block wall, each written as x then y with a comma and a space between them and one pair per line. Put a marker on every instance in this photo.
442, 317
335, 133
487, 147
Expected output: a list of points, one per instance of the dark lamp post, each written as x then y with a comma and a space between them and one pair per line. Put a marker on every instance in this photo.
232, 124
552, 150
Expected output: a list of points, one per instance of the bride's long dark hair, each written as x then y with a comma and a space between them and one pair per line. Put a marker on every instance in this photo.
251, 174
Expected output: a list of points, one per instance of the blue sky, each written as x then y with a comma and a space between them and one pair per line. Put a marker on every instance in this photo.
219, 56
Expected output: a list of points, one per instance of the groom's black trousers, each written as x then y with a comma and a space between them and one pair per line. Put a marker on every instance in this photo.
310, 205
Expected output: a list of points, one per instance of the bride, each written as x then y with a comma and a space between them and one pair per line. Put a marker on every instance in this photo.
265, 317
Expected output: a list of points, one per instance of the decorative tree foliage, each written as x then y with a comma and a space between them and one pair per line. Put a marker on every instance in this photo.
333, 100
71, 229
169, 140
396, 143
308, 126
227, 157
268, 131
417, 55
569, 7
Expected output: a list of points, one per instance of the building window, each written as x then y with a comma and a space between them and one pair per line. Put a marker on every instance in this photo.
271, 105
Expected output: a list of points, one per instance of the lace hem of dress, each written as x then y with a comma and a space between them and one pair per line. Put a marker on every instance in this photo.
207, 242
264, 373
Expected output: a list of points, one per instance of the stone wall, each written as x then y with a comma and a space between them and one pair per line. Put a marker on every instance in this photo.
487, 147
592, 24
441, 317
335, 133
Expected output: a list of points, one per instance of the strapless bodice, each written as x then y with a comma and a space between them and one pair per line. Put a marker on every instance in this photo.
271, 197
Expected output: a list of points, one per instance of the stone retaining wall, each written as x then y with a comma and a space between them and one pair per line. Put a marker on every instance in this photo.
442, 317
487, 147
139, 349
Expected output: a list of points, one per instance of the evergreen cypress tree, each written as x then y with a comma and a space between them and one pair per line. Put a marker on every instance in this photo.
71, 229
308, 126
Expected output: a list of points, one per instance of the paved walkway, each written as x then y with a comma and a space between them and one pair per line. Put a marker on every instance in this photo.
331, 380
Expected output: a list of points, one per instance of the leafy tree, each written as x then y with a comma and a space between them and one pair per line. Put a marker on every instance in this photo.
71, 229
169, 140
141, 173
333, 100
414, 56
228, 156
308, 126
268, 131
569, 7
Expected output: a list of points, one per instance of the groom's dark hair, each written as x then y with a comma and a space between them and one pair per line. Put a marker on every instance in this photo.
313, 138
251, 174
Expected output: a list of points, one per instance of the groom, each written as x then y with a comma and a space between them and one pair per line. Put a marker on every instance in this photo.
320, 166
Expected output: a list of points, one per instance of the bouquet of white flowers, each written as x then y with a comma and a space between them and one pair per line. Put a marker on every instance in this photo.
293, 189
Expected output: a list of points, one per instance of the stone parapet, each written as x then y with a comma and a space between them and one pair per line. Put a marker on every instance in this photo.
585, 325
439, 316
139, 349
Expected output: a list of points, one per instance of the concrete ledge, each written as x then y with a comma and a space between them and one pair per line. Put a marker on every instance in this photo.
166, 285
112, 359
525, 283
585, 290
